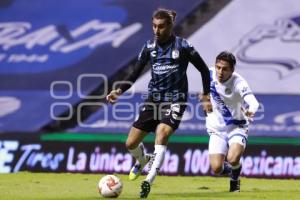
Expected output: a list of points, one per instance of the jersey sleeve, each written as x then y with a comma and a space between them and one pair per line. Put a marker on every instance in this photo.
247, 95
243, 88
143, 56
189, 49
252, 103
194, 57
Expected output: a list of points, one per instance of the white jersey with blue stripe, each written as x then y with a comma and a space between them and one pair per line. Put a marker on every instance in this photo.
228, 101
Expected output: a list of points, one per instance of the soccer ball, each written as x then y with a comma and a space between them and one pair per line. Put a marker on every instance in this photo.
110, 186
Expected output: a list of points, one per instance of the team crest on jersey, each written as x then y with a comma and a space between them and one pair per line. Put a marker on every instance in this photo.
175, 54
228, 91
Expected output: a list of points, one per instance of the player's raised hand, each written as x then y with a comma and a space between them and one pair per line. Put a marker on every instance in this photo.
206, 104
113, 95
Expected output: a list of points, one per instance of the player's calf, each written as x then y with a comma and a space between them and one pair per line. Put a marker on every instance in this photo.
235, 182
235, 172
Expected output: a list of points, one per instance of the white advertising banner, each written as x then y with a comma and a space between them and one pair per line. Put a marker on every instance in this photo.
265, 37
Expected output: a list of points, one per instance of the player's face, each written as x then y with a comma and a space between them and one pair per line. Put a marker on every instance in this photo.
161, 29
224, 70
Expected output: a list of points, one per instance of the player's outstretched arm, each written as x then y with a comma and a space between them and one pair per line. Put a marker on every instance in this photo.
131, 78
195, 58
113, 95
200, 65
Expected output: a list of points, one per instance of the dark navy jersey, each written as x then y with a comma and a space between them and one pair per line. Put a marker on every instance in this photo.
169, 63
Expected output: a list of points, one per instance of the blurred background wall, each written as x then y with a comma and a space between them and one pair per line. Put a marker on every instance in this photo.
59, 59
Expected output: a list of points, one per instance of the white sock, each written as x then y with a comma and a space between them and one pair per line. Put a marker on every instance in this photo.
159, 155
139, 154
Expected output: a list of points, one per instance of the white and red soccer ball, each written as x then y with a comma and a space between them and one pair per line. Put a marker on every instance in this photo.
110, 186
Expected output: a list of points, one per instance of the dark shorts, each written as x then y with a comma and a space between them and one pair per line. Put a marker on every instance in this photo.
152, 114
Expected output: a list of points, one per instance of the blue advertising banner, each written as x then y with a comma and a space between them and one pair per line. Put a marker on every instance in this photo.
62, 46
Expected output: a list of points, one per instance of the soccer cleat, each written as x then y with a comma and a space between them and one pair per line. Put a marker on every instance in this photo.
235, 186
145, 189
137, 169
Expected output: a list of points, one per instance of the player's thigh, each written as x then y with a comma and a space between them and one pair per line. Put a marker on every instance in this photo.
217, 148
217, 144
237, 141
135, 137
238, 136
235, 152
147, 120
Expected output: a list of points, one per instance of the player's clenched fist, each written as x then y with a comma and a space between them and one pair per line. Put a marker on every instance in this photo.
113, 95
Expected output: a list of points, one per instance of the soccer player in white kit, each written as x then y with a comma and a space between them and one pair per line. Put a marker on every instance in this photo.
234, 106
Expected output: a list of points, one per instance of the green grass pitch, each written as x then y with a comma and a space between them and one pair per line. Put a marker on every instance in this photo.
25, 185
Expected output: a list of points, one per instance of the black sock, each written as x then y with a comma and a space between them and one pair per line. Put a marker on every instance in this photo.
235, 174
226, 169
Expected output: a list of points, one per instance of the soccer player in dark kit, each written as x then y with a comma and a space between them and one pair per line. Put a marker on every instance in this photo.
161, 113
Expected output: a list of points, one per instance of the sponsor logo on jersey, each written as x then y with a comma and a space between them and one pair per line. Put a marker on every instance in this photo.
159, 68
153, 54
245, 89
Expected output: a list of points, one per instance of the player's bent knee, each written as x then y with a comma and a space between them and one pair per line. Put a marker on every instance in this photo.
216, 169
165, 129
163, 133
161, 139
131, 145
233, 159
216, 166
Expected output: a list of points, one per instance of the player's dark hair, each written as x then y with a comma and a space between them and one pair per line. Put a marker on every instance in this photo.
228, 57
162, 13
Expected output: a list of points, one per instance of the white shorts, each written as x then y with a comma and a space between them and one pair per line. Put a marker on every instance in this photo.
219, 142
